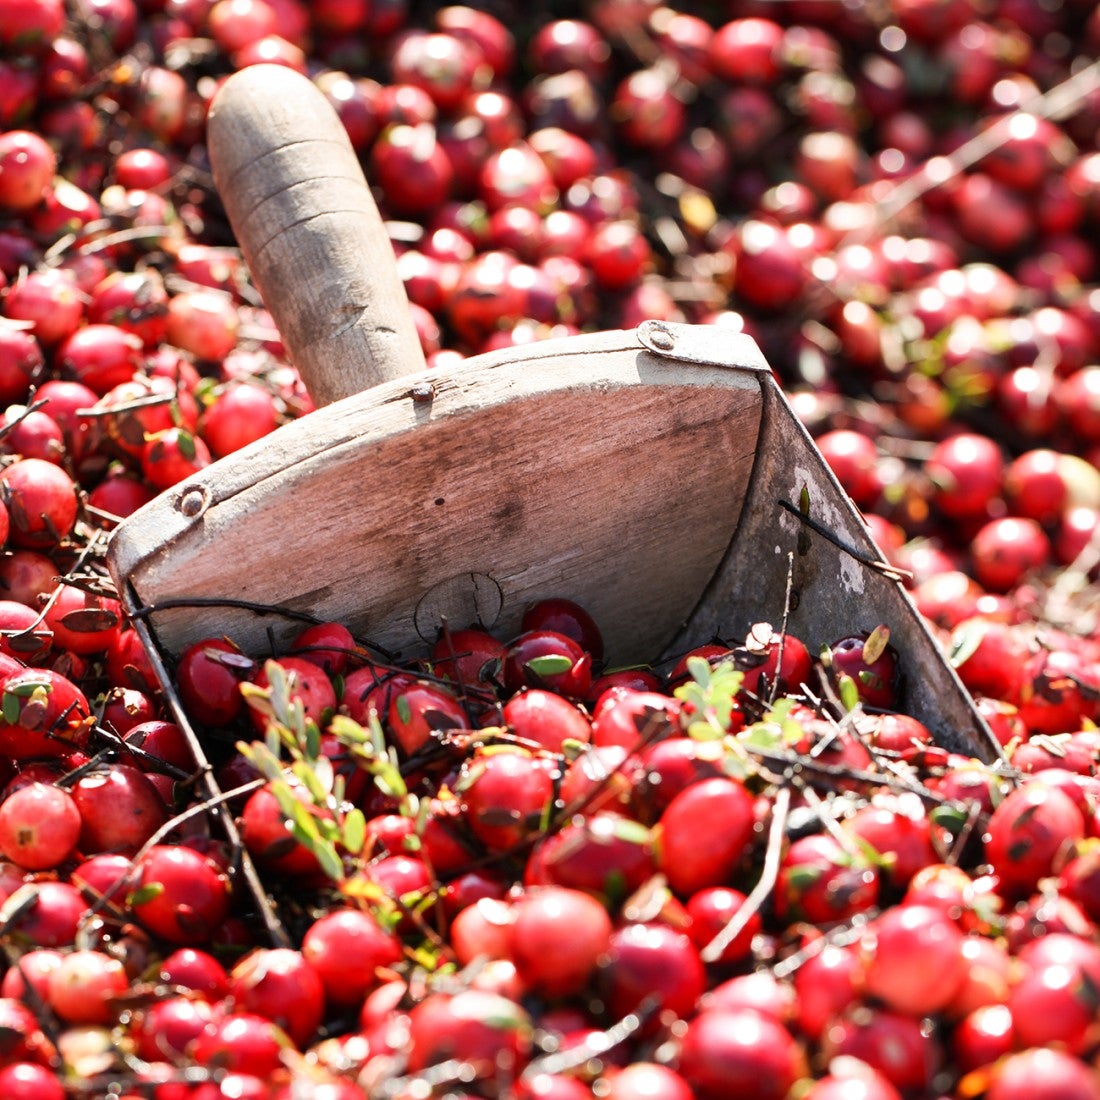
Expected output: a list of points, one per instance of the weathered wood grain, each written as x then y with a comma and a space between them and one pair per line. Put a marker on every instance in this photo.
607, 475
310, 231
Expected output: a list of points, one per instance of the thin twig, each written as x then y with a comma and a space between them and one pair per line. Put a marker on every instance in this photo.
891, 572
765, 884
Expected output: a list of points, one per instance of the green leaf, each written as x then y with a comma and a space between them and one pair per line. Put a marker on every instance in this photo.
10, 708
949, 817
632, 832
263, 759
404, 709
803, 877
145, 894
388, 779
326, 776
273, 737
186, 443
354, 831
735, 766
849, 692
704, 731
762, 735
309, 779
288, 804
330, 861
965, 641
571, 749
549, 664
875, 645
312, 741
347, 731
26, 688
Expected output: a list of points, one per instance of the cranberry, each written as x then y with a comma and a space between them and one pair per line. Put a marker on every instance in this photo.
420, 709
266, 836
1042, 1074
349, 951
485, 1029
167, 1028
854, 458
30, 1081
241, 1042
818, 882
967, 472
135, 302
27, 167
83, 987
505, 795
180, 894
747, 50
632, 718
558, 937
898, 1046
852, 1080
562, 45
411, 166
82, 622
208, 679
827, 984
39, 826
605, 854
305, 683
172, 456
720, 808
914, 962
120, 809
741, 1051
240, 415
565, 617
550, 660
195, 970
1028, 831
280, 985
652, 964
544, 718
711, 910
47, 715
470, 658
49, 913
872, 665
900, 832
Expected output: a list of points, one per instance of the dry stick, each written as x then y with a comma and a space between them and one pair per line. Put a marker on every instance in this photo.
773, 691
149, 401
1056, 102
126, 879
1074, 579
891, 572
592, 1047
765, 884
275, 928
141, 612
94, 548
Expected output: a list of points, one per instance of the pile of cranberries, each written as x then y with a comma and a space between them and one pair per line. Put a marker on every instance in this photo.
505, 869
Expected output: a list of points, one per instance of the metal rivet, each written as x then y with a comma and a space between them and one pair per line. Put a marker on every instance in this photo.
423, 391
193, 501
662, 339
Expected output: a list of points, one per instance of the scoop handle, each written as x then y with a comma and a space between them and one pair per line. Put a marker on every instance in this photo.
310, 232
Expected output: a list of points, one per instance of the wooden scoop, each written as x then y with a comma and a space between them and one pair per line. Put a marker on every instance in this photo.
656, 476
